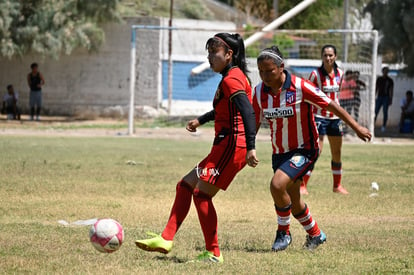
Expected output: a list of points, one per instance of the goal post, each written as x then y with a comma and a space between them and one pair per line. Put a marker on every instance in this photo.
192, 94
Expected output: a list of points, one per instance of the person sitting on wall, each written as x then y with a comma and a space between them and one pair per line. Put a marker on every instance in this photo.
407, 109
10, 103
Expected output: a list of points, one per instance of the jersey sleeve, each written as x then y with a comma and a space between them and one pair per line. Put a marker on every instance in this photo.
314, 95
233, 84
313, 77
256, 107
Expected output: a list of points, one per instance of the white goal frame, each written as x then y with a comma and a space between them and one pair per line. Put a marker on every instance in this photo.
372, 65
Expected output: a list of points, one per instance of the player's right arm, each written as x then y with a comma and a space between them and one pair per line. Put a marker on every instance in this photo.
194, 123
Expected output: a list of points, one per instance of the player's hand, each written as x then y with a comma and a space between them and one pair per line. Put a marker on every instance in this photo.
251, 158
192, 125
364, 134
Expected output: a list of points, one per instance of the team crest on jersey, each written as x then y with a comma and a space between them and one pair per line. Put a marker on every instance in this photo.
298, 160
290, 97
338, 79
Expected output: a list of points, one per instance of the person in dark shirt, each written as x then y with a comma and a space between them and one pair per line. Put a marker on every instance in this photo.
10, 103
384, 91
35, 80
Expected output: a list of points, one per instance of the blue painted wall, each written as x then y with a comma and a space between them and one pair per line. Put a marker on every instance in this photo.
201, 87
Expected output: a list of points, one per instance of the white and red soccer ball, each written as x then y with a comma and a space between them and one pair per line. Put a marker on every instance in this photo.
106, 235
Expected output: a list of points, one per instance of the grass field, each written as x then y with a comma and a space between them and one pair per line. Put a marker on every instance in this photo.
44, 179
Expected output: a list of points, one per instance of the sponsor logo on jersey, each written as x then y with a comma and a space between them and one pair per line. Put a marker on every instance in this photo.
281, 112
331, 89
290, 97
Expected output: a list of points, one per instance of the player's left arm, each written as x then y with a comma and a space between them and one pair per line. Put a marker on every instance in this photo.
245, 108
362, 132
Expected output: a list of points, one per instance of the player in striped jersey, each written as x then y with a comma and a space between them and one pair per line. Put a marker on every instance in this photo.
233, 147
328, 78
285, 101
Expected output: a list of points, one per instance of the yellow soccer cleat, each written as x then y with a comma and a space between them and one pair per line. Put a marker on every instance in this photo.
155, 244
208, 256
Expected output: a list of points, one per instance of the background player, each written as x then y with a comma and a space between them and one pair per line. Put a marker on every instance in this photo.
285, 102
234, 144
328, 78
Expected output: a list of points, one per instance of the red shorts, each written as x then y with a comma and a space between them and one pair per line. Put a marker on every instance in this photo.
222, 164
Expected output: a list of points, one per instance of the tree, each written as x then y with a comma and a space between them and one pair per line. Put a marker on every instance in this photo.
395, 22
53, 27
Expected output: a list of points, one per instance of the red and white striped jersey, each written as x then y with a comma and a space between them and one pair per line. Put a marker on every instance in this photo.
289, 113
330, 86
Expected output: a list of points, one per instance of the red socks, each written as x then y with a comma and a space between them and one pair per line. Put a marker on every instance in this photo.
336, 173
208, 220
283, 218
179, 210
305, 218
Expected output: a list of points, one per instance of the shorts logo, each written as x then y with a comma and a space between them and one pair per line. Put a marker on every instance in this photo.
290, 97
207, 172
298, 161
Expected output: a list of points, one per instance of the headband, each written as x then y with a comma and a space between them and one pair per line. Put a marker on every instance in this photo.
278, 59
224, 42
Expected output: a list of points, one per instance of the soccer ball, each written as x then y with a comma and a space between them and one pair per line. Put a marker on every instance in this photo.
106, 235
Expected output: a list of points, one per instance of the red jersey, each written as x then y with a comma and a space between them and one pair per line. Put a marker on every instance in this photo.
330, 86
227, 120
289, 114
348, 89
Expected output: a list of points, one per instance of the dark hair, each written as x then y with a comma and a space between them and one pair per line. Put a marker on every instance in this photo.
33, 65
9, 86
275, 50
233, 42
334, 49
409, 93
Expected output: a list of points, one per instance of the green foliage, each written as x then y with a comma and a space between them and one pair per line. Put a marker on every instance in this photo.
53, 27
194, 9
323, 14
395, 21
283, 41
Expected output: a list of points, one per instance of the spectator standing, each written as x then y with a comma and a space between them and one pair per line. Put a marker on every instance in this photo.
347, 92
35, 80
384, 90
360, 86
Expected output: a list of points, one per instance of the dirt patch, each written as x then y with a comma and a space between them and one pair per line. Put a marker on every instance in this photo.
66, 126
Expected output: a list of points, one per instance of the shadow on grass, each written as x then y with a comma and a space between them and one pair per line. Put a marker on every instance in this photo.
172, 259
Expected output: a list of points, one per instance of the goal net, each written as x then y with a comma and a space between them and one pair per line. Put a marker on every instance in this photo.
164, 79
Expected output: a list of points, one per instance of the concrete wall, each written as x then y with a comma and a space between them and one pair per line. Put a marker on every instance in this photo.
85, 83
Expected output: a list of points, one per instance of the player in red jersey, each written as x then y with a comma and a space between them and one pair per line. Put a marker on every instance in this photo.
285, 101
328, 78
233, 147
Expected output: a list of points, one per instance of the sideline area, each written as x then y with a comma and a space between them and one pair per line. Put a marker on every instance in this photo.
69, 126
